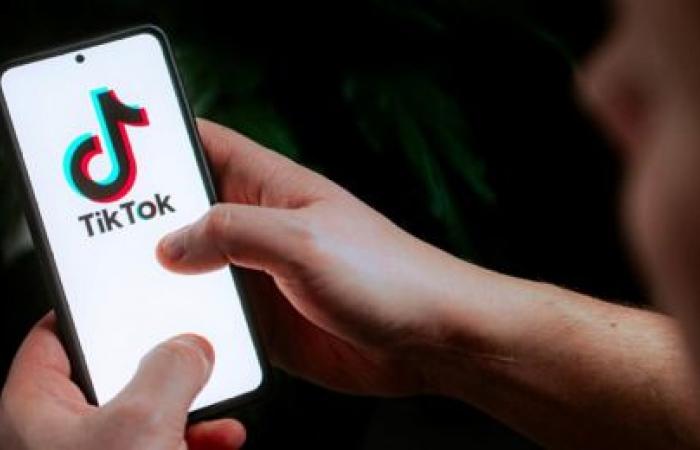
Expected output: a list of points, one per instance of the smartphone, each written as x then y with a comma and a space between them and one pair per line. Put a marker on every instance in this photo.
111, 161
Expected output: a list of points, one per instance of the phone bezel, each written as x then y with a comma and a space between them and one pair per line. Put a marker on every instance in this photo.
67, 330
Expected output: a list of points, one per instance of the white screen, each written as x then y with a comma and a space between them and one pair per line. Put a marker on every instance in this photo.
121, 300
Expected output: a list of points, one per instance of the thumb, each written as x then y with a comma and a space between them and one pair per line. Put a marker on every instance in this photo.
168, 379
251, 236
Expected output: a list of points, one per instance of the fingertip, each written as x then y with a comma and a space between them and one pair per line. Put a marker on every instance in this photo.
48, 321
181, 265
233, 433
216, 434
198, 342
41, 349
168, 378
186, 354
171, 252
205, 124
171, 247
202, 121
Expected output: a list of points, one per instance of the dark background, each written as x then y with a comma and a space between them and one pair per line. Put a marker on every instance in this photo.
457, 119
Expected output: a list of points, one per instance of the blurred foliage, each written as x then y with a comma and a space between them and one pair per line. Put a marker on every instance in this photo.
399, 105
403, 108
411, 111
233, 94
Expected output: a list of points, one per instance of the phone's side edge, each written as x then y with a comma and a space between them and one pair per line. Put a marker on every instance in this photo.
66, 327
265, 385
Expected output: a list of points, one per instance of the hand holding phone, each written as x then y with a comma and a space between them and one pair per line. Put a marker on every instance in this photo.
354, 305
42, 408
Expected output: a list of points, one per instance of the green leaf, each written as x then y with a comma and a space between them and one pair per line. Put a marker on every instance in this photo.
410, 111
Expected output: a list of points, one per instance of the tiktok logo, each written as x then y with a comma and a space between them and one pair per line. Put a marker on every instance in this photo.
113, 116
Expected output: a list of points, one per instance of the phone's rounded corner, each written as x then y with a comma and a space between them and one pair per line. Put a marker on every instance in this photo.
264, 387
261, 392
5, 69
256, 396
3, 73
152, 30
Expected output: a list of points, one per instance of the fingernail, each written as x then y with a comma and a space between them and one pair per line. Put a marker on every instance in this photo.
173, 245
202, 346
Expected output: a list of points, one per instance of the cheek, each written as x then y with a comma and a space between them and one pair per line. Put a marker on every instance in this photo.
662, 214
643, 208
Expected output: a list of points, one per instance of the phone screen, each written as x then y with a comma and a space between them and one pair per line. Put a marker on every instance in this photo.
112, 169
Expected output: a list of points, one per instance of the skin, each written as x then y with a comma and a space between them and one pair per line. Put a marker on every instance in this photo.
41, 408
350, 301
643, 85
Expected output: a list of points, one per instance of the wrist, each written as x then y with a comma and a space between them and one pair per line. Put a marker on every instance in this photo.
481, 323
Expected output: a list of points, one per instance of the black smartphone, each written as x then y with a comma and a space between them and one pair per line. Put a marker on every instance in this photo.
111, 161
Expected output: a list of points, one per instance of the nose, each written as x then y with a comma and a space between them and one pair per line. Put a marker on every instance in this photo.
614, 94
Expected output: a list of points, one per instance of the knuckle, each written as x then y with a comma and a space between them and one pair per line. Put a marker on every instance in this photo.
309, 237
306, 233
217, 222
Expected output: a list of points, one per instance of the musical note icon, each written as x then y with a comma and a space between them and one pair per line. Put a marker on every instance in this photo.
113, 117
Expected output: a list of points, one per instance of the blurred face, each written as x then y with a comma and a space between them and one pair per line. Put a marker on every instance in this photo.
643, 85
